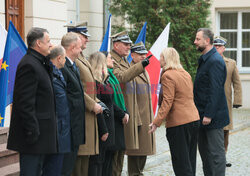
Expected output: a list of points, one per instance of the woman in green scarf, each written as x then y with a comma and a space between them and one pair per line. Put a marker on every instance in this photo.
109, 92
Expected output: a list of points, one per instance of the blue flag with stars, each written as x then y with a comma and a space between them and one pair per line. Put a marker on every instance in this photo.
141, 38
14, 50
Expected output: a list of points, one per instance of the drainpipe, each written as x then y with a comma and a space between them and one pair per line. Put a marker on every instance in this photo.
77, 10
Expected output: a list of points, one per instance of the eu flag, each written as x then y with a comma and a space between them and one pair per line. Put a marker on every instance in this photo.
14, 50
141, 38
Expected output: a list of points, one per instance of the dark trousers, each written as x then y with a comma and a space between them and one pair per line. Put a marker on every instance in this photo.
183, 148
226, 141
31, 164
212, 151
81, 166
117, 163
53, 165
136, 165
107, 165
69, 161
95, 168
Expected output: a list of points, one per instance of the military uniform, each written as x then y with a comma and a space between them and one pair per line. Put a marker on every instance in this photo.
137, 157
125, 73
232, 80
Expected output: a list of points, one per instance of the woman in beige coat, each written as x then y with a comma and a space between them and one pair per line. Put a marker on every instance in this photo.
178, 108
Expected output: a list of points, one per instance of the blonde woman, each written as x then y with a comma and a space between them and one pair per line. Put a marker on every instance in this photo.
105, 93
179, 110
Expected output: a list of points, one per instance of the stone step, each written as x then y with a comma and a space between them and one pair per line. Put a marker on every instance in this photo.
10, 170
7, 157
3, 134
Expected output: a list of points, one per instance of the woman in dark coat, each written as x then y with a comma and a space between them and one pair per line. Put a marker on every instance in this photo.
105, 93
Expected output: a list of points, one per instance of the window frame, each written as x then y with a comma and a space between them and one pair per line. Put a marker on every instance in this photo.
239, 31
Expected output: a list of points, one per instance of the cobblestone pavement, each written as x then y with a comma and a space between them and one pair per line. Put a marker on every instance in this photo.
238, 155
238, 152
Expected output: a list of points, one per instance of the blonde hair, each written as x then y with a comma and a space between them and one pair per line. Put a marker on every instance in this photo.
97, 61
172, 58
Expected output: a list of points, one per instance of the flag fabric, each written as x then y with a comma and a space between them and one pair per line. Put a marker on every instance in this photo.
14, 50
141, 38
106, 40
154, 68
3, 35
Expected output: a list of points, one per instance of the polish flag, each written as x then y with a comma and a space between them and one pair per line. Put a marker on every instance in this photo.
3, 35
154, 68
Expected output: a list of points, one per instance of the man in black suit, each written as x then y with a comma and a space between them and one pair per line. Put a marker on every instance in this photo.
33, 122
72, 45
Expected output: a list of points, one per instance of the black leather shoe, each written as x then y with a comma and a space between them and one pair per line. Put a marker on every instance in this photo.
228, 164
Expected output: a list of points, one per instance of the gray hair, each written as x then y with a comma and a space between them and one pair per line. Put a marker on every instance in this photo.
35, 34
69, 38
207, 33
56, 51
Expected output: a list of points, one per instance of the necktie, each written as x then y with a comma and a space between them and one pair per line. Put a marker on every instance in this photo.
75, 68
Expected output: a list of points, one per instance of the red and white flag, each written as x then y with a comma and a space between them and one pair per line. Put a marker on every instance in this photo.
3, 35
154, 68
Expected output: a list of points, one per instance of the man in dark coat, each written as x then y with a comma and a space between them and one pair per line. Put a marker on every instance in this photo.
33, 121
53, 163
72, 45
92, 108
210, 100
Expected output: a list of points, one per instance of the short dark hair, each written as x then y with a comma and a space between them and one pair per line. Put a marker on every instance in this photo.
56, 51
207, 33
35, 34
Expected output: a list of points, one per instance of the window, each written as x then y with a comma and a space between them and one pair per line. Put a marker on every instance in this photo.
235, 27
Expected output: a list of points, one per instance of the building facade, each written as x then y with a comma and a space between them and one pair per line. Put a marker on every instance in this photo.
53, 15
231, 20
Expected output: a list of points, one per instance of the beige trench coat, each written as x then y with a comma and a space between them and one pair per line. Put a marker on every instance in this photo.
147, 144
91, 147
125, 75
233, 80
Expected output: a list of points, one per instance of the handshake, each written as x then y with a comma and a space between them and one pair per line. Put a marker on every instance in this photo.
145, 62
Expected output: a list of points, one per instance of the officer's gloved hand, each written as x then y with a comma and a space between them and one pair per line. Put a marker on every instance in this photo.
145, 62
236, 106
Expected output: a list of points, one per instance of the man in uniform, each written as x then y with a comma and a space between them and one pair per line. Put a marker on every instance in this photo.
137, 157
91, 147
125, 73
233, 80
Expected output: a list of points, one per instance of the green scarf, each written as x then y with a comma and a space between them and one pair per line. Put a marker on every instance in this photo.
118, 97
